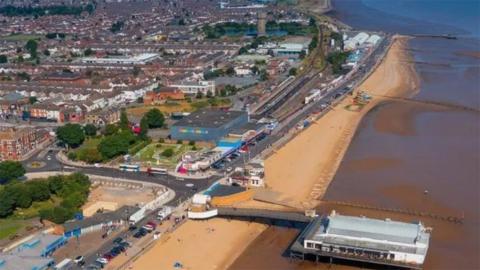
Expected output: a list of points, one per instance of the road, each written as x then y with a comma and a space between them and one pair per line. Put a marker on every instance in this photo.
182, 191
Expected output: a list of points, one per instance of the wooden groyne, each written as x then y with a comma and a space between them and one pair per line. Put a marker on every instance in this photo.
452, 219
445, 36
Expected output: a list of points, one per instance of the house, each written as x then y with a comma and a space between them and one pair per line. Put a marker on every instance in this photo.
16, 143
103, 117
193, 87
162, 94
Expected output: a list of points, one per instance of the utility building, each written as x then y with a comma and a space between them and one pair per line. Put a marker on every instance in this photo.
208, 125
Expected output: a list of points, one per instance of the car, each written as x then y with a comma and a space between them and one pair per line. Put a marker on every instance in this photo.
115, 252
49, 158
120, 248
132, 228
229, 169
125, 244
108, 256
79, 259
102, 260
138, 235
118, 240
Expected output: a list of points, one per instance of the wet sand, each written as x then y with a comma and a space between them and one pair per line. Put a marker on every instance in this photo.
302, 170
304, 167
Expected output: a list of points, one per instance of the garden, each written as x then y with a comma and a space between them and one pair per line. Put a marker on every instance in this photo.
163, 154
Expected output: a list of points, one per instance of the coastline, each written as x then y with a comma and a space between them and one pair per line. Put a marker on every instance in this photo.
217, 243
323, 145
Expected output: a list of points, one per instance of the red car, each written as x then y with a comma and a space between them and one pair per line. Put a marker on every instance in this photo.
108, 257
153, 224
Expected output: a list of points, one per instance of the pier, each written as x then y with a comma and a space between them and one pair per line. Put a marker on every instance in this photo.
361, 239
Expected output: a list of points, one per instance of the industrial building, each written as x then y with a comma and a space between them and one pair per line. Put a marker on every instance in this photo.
364, 239
207, 125
292, 47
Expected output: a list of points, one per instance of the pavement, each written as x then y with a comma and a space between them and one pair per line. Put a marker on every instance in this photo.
179, 185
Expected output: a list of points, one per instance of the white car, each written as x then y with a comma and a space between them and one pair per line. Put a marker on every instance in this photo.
49, 158
102, 261
79, 259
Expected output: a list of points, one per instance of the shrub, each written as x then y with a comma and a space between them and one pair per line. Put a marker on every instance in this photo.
179, 142
167, 152
191, 143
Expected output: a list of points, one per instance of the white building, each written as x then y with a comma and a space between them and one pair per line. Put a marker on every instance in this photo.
356, 41
139, 59
193, 87
374, 240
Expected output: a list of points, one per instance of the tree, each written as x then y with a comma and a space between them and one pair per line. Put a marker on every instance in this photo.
71, 135
110, 129
199, 95
143, 128
167, 152
230, 71
39, 190
242, 50
46, 52
88, 52
191, 143
136, 71
32, 100
292, 71
254, 70
31, 47
209, 94
155, 118
3, 59
312, 22
140, 100
90, 130
124, 123
21, 194
113, 146
7, 203
10, 170
263, 75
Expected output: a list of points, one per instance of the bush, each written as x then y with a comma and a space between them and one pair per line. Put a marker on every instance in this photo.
191, 143
161, 140
167, 152
72, 156
179, 142
89, 155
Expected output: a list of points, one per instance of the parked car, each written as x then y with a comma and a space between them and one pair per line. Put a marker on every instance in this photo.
102, 260
79, 259
118, 240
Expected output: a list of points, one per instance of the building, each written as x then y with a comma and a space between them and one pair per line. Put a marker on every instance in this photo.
163, 94
16, 143
193, 87
207, 125
364, 239
356, 41
292, 47
261, 24
139, 59
103, 117
32, 254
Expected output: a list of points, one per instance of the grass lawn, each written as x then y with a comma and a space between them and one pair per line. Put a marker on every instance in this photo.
33, 210
178, 106
21, 37
10, 226
151, 152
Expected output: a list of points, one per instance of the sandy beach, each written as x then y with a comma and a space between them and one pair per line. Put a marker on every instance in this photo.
211, 244
302, 169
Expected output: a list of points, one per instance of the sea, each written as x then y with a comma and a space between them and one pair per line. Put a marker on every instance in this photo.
411, 155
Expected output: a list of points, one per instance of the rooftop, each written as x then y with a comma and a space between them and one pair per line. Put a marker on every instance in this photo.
122, 213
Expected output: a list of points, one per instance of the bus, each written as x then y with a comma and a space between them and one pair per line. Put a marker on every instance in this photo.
153, 170
129, 168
